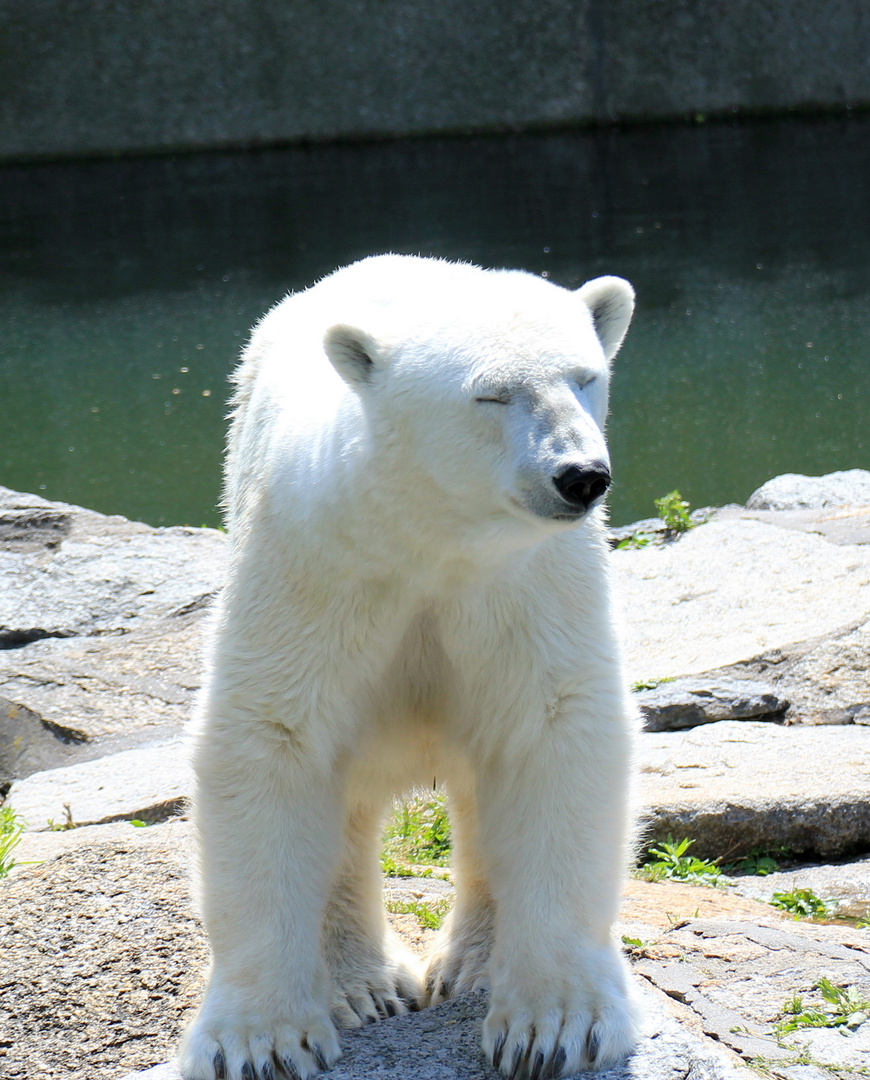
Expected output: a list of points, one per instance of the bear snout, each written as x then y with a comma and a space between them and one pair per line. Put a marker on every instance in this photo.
581, 487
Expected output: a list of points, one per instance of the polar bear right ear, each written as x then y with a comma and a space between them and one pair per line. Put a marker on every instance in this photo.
611, 302
353, 353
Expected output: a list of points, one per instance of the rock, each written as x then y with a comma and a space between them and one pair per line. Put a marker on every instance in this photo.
101, 622
149, 784
735, 786
686, 703
826, 679
730, 590
443, 1043
736, 979
845, 526
28, 743
791, 491
94, 574
846, 885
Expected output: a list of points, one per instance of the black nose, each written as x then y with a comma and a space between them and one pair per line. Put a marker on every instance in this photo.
581, 487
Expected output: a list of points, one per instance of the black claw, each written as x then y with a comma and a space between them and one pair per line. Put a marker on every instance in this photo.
289, 1067
518, 1062
248, 1071
412, 1003
219, 1066
267, 1072
593, 1045
318, 1056
558, 1063
390, 1006
537, 1066
430, 984
498, 1050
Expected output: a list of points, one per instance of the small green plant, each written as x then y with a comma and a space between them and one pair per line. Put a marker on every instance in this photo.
66, 824
758, 862
844, 1007
803, 904
430, 915
418, 832
11, 828
651, 684
671, 862
636, 540
674, 512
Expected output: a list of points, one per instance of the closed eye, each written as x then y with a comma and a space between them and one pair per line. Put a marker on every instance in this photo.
586, 381
502, 399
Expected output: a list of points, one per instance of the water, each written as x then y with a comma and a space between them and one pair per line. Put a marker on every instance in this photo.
128, 287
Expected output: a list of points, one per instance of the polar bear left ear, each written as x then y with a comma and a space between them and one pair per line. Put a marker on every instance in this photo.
353, 353
611, 302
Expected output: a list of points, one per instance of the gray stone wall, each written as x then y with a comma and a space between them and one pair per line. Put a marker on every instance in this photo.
105, 76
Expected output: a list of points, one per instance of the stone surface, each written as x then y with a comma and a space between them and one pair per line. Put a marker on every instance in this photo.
196, 75
149, 783
734, 786
846, 885
28, 743
102, 961
730, 590
826, 679
96, 574
687, 703
792, 491
736, 978
838, 525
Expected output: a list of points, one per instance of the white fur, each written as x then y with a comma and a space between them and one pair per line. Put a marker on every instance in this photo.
409, 597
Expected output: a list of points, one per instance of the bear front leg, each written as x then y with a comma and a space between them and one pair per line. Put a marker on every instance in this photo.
373, 974
553, 818
268, 815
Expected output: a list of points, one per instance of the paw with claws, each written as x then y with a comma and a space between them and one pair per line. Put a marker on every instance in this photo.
254, 1049
561, 1029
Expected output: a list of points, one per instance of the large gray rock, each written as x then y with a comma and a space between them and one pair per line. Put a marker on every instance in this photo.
792, 491
444, 1044
28, 743
90, 574
734, 786
149, 783
730, 590
687, 703
845, 885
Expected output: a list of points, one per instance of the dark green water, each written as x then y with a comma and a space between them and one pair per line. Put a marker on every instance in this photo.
128, 287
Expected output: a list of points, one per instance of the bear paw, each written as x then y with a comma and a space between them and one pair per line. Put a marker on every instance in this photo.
281, 1050
375, 986
459, 960
559, 1032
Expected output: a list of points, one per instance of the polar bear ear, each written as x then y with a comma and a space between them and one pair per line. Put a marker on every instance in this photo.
611, 302
353, 353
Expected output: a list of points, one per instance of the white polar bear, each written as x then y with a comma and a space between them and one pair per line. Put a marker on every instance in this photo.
418, 588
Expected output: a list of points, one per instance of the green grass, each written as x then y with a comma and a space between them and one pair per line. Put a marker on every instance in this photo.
417, 835
11, 828
430, 914
841, 1007
670, 862
803, 904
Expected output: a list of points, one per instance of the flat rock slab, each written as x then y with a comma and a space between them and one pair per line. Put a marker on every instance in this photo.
793, 491
688, 703
737, 785
842, 525
730, 590
150, 783
736, 978
846, 885
92, 574
443, 1043
826, 679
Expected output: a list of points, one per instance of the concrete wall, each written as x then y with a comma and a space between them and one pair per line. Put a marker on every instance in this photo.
104, 76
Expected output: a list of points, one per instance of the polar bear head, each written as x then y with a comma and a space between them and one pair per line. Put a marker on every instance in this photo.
486, 389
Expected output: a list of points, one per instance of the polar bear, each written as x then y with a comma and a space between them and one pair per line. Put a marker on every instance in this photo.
418, 588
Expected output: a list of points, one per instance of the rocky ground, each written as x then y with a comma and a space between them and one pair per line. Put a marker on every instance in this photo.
748, 638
